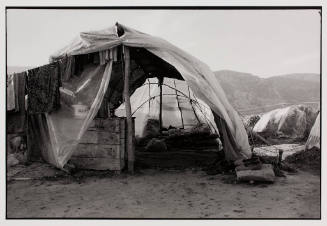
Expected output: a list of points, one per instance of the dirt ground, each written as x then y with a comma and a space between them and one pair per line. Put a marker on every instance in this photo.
153, 193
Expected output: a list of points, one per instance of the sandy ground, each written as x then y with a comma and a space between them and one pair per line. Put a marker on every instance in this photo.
164, 194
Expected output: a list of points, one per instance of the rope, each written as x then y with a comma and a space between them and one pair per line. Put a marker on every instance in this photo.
205, 117
149, 94
151, 99
189, 96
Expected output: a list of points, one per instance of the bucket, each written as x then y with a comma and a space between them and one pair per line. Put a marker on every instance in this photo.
80, 110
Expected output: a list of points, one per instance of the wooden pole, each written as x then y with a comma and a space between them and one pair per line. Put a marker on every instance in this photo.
280, 157
149, 95
160, 109
261, 138
129, 121
179, 107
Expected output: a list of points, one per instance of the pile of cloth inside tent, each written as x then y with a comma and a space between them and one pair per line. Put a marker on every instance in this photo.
199, 137
187, 122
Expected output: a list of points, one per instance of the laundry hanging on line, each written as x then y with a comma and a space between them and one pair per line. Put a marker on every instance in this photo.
43, 89
66, 68
17, 118
10, 93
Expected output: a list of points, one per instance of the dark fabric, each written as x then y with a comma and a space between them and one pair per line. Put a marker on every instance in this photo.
16, 90
103, 110
115, 90
229, 145
16, 120
80, 61
38, 138
67, 68
10, 92
43, 89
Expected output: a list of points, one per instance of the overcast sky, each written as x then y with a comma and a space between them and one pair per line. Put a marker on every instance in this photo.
261, 42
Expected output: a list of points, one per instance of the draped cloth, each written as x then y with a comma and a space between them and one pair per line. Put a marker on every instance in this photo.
10, 92
16, 120
43, 89
62, 129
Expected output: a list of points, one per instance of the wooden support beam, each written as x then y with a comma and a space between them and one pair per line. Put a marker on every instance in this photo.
261, 138
149, 95
179, 107
160, 109
129, 122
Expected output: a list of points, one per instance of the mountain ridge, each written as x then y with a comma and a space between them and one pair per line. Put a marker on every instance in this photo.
246, 91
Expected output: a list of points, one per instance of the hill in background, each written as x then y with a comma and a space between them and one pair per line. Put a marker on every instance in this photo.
251, 94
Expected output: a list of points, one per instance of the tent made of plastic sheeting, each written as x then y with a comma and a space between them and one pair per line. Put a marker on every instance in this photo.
180, 107
290, 122
314, 136
62, 129
150, 57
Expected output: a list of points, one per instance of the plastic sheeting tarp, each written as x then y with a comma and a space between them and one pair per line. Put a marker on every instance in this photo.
290, 122
180, 107
10, 93
197, 75
66, 126
314, 136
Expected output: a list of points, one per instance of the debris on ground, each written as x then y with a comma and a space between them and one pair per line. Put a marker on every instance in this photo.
306, 160
278, 167
34, 171
265, 174
220, 165
254, 170
248, 164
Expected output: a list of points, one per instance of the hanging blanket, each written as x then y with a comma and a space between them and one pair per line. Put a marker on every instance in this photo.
43, 89
16, 120
10, 93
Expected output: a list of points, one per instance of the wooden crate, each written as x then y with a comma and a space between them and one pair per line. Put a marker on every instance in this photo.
102, 147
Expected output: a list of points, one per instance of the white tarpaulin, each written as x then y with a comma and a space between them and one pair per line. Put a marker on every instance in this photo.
65, 126
180, 108
314, 137
292, 122
197, 75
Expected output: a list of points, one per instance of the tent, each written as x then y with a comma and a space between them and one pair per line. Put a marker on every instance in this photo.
314, 136
180, 107
148, 57
290, 122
